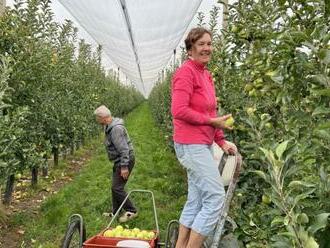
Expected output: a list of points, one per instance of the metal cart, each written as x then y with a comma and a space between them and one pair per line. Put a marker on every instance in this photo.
76, 233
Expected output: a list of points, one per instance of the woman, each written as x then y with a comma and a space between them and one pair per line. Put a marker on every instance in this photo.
196, 127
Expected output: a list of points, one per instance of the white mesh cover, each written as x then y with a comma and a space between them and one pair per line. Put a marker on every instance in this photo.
138, 35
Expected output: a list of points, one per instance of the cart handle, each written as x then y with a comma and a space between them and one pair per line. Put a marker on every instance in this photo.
139, 191
81, 222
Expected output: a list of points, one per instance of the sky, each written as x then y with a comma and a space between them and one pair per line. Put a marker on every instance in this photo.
61, 13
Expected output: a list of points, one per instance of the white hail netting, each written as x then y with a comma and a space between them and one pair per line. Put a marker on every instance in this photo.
139, 36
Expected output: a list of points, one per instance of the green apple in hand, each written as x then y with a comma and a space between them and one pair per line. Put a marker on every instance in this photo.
230, 122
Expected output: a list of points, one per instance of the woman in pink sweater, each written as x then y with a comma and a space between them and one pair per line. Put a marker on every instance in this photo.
196, 127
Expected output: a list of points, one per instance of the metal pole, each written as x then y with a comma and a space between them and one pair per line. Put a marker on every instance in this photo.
130, 32
174, 54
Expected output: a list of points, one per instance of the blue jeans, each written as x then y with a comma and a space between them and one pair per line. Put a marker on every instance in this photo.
206, 192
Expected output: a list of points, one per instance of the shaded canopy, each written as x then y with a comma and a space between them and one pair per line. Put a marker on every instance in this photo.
139, 36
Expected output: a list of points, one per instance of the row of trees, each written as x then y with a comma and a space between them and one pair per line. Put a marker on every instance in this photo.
271, 69
50, 83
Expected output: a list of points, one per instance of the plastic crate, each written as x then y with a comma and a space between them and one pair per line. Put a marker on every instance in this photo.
111, 242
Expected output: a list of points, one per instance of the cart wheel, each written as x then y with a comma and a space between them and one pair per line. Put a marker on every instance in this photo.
172, 234
75, 233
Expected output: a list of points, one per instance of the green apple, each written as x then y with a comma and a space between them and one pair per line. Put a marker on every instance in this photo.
144, 234
18, 176
130, 234
234, 29
230, 122
302, 218
108, 233
140, 235
250, 110
268, 125
151, 235
266, 200
252, 92
119, 228
248, 87
126, 233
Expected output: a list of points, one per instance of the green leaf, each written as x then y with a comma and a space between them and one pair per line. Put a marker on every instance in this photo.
303, 196
289, 234
320, 78
294, 184
322, 134
278, 220
324, 55
325, 125
323, 175
325, 92
321, 221
278, 79
280, 149
321, 110
282, 244
311, 243
261, 174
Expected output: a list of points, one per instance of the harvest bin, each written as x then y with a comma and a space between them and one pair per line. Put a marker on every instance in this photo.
111, 242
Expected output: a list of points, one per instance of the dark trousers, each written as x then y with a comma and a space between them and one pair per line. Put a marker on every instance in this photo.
118, 191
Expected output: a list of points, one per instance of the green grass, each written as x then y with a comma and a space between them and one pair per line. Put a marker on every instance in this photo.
88, 194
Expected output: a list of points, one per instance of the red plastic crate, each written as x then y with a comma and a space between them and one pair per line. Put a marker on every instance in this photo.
111, 242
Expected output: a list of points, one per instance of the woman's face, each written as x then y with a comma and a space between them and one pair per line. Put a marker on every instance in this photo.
202, 49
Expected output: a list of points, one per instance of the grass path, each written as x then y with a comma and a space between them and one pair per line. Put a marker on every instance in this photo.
89, 193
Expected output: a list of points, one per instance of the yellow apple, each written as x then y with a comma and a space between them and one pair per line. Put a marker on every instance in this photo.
144, 234
266, 200
108, 233
230, 122
126, 233
140, 235
250, 111
119, 228
151, 235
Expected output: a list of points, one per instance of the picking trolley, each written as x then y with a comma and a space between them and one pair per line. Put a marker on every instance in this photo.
75, 236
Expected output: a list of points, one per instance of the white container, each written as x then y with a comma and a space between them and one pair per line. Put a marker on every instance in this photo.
133, 244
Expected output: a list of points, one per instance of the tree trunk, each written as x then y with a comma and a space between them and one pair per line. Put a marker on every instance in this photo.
55, 153
9, 189
45, 171
34, 174
65, 153
72, 148
3, 214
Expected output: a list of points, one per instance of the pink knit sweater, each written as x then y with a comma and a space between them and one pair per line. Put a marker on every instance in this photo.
193, 104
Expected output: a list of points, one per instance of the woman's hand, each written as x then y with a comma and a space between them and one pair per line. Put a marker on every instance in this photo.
219, 122
229, 148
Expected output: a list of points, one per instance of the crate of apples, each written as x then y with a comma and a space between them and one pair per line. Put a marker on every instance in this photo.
121, 232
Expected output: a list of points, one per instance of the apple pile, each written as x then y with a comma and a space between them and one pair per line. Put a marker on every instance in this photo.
120, 231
